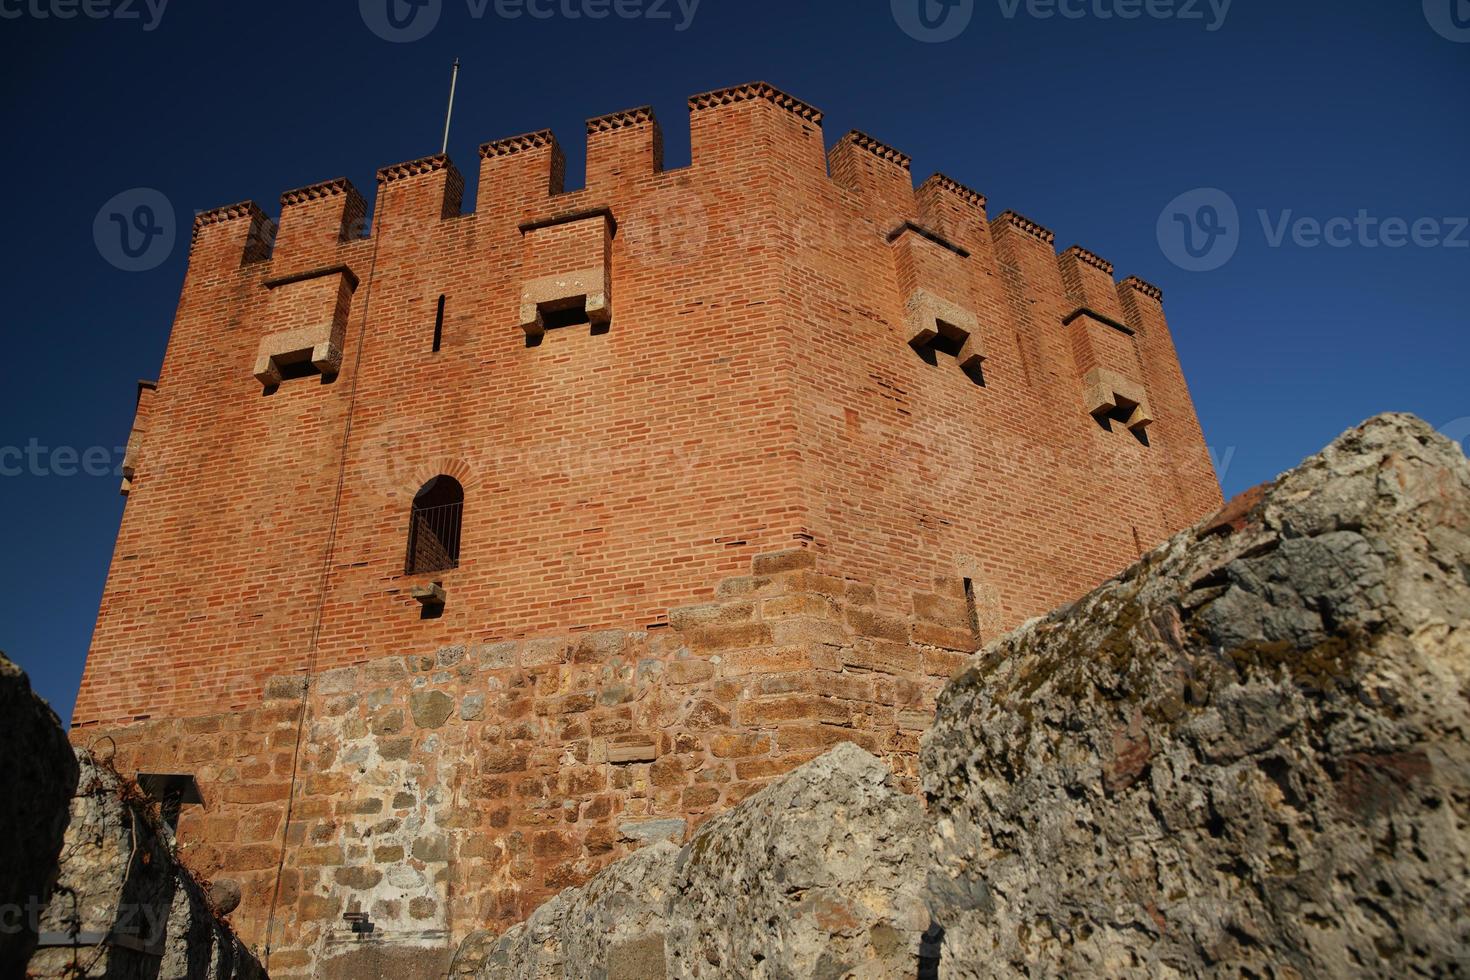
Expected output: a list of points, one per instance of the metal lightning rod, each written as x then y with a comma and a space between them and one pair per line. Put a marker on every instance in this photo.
449, 114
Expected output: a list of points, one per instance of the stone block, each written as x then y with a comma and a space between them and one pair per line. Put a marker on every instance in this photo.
389, 721
712, 639
431, 849
545, 651
800, 604
496, 656
777, 562
799, 630
942, 610
792, 707
623, 753
742, 586
309, 857
961, 640
882, 656
395, 749
945, 663
430, 708
644, 832
682, 672
287, 688
739, 745
472, 708
868, 622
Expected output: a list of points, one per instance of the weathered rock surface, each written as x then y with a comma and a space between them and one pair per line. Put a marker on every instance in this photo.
38, 774
123, 907
819, 875
89, 885
1246, 756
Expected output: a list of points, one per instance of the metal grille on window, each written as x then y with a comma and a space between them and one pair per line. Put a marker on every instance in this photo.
434, 526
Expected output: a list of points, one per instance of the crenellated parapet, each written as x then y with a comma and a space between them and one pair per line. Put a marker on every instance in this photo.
518, 172
954, 210
757, 125
1103, 344
1013, 221
323, 191
942, 184
524, 143
1138, 285
862, 141
880, 175
943, 245
319, 216
226, 214
1080, 254
429, 188
753, 91
231, 236
1088, 279
623, 146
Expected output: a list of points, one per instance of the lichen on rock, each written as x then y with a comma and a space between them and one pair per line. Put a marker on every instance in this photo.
1245, 756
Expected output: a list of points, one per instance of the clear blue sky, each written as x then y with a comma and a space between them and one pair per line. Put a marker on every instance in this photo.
1093, 125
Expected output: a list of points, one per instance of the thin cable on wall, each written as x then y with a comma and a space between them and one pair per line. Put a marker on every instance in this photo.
331, 546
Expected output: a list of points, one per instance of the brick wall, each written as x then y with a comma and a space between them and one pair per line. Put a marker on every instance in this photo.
765, 352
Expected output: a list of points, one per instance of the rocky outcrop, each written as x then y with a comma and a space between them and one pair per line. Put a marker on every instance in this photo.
123, 906
89, 882
1246, 756
815, 876
38, 774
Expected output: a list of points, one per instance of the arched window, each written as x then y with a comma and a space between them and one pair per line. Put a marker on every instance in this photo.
433, 529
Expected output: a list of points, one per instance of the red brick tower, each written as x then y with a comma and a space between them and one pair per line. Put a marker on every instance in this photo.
466, 553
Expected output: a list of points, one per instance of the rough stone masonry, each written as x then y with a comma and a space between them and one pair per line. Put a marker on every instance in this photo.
1245, 756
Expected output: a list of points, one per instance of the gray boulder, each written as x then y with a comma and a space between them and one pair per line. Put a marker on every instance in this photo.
123, 906
90, 885
1246, 756
38, 774
818, 875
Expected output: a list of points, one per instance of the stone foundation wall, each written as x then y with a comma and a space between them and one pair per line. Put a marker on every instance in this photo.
453, 790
